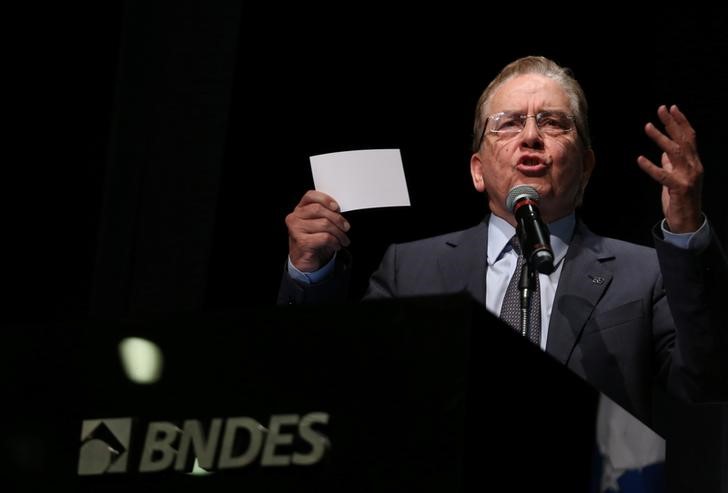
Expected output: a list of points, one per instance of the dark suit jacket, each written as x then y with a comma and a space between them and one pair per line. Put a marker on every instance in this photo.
615, 311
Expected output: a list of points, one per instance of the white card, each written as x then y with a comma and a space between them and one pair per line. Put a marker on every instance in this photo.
361, 179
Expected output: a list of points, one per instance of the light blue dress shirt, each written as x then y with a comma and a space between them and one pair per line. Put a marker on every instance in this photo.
502, 260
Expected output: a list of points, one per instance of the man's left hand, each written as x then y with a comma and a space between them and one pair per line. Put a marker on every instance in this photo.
681, 173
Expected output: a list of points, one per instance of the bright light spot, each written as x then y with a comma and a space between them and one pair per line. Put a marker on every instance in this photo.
197, 470
141, 359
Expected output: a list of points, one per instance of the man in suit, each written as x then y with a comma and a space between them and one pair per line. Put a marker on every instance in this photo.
620, 315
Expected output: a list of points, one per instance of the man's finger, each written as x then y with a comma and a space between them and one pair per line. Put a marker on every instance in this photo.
663, 141
655, 172
324, 225
314, 196
677, 125
680, 117
314, 211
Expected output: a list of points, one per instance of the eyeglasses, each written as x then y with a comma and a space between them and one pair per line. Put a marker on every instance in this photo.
508, 124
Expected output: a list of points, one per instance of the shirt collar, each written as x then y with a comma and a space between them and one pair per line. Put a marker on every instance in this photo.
500, 233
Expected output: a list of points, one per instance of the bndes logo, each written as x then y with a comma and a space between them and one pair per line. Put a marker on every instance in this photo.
225, 443
104, 446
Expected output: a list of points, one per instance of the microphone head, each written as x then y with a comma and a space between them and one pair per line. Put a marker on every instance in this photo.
520, 192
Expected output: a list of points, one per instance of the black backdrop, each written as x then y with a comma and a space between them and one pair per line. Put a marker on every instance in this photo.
162, 146
152, 151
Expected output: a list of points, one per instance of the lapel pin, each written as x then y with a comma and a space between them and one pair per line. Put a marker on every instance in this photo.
597, 280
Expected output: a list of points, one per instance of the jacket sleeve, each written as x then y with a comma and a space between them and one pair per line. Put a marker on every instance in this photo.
333, 289
383, 282
696, 287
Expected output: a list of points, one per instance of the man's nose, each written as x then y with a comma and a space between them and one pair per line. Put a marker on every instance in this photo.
530, 135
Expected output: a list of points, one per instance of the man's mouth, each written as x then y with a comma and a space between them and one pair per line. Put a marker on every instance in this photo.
532, 165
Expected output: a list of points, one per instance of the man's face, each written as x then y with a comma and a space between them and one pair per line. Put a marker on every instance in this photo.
557, 166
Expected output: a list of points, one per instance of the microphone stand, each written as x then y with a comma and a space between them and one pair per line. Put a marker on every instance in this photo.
527, 285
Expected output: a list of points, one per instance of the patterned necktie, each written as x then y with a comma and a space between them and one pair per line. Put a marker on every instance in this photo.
511, 308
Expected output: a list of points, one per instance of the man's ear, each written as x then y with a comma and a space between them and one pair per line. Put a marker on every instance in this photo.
476, 171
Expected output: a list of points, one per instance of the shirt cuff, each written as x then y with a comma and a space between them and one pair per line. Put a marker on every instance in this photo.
311, 277
698, 240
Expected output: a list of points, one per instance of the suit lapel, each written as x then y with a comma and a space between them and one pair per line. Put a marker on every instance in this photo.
584, 280
462, 267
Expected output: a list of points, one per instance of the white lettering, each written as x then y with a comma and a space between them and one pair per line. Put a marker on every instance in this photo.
318, 441
204, 450
277, 437
158, 453
255, 430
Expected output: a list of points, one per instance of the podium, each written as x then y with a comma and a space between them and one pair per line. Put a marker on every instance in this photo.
430, 394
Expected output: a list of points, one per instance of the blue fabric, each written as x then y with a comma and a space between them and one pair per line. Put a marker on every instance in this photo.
311, 277
698, 240
650, 479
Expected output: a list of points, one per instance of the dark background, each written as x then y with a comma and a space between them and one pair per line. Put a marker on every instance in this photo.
153, 150
158, 148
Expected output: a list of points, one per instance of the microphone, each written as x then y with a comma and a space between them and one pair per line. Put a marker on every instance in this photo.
533, 234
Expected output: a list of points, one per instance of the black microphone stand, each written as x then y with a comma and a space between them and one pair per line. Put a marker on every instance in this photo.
527, 285
538, 258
